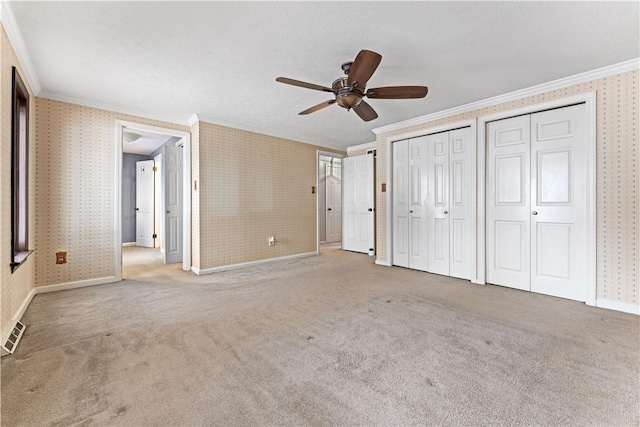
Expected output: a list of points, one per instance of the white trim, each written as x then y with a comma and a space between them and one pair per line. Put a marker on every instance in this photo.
186, 171
386, 264
365, 146
589, 99
250, 264
619, 68
470, 123
128, 244
74, 285
18, 314
17, 42
255, 129
616, 305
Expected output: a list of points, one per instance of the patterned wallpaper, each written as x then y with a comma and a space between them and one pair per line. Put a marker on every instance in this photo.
617, 232
253, 186
75, 191
15, 287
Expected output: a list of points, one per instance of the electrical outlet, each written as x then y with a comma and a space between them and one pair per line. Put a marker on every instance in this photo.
272, 241
61, 257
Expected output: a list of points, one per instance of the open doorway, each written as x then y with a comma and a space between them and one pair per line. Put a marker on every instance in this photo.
329, 195
154, 200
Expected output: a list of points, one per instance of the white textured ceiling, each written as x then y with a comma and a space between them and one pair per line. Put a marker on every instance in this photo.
220, 59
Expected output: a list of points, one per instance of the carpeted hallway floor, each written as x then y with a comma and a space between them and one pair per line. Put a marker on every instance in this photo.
326, 340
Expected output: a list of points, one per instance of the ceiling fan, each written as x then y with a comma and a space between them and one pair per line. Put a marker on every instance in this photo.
350, 89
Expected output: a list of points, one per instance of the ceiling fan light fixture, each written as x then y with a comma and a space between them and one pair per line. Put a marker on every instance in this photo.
349, 100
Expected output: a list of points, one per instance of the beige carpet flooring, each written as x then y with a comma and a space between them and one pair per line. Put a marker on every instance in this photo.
326, 340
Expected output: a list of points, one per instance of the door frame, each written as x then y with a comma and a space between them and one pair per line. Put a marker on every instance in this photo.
186, 173
389, 193
318, 154
589, 99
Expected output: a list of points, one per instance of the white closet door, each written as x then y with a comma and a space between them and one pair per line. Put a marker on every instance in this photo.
559, 202
438, 205
537, 202
460, 202
400, 197
418, 224
508, 202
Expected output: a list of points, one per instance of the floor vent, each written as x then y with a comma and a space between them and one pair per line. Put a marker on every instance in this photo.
12, 342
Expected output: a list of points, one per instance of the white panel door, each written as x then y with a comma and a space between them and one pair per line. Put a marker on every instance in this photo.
144, 203
418, 224
333, 194
460, 202
409, 195
400, 200
559, 202
438, 219
537, 202
358, 197
172, 171
508, 202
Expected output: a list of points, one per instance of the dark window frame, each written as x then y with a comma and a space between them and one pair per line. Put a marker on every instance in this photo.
19, 172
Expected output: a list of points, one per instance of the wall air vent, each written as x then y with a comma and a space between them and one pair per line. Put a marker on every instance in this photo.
14, 338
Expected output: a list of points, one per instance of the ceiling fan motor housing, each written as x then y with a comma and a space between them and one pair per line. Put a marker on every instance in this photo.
347, 96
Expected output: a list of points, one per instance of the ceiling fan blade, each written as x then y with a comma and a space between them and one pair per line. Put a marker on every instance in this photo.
317, 107
299, 83
363, 67
398, 92
365, 111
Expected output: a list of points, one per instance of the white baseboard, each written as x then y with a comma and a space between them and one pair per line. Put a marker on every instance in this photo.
618, 306
128, 243
385, 263
18, 314
249, 264
74, 285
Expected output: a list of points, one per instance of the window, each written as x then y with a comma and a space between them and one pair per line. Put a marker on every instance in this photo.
19, 172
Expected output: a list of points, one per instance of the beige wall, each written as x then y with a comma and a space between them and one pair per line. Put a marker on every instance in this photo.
617, 231
75, 190
253, 186
15, 287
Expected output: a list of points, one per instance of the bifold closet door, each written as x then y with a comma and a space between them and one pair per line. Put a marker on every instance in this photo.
537, 202
450, 202
409, 203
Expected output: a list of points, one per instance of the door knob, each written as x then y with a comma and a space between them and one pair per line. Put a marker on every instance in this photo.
535, 212
328, 209
446, 212
411, 211
137, 209
370, 209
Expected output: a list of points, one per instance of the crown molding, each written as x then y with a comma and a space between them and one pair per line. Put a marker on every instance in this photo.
193, 120
17, 42
365, 146
114, 108
622, 67
241, 126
